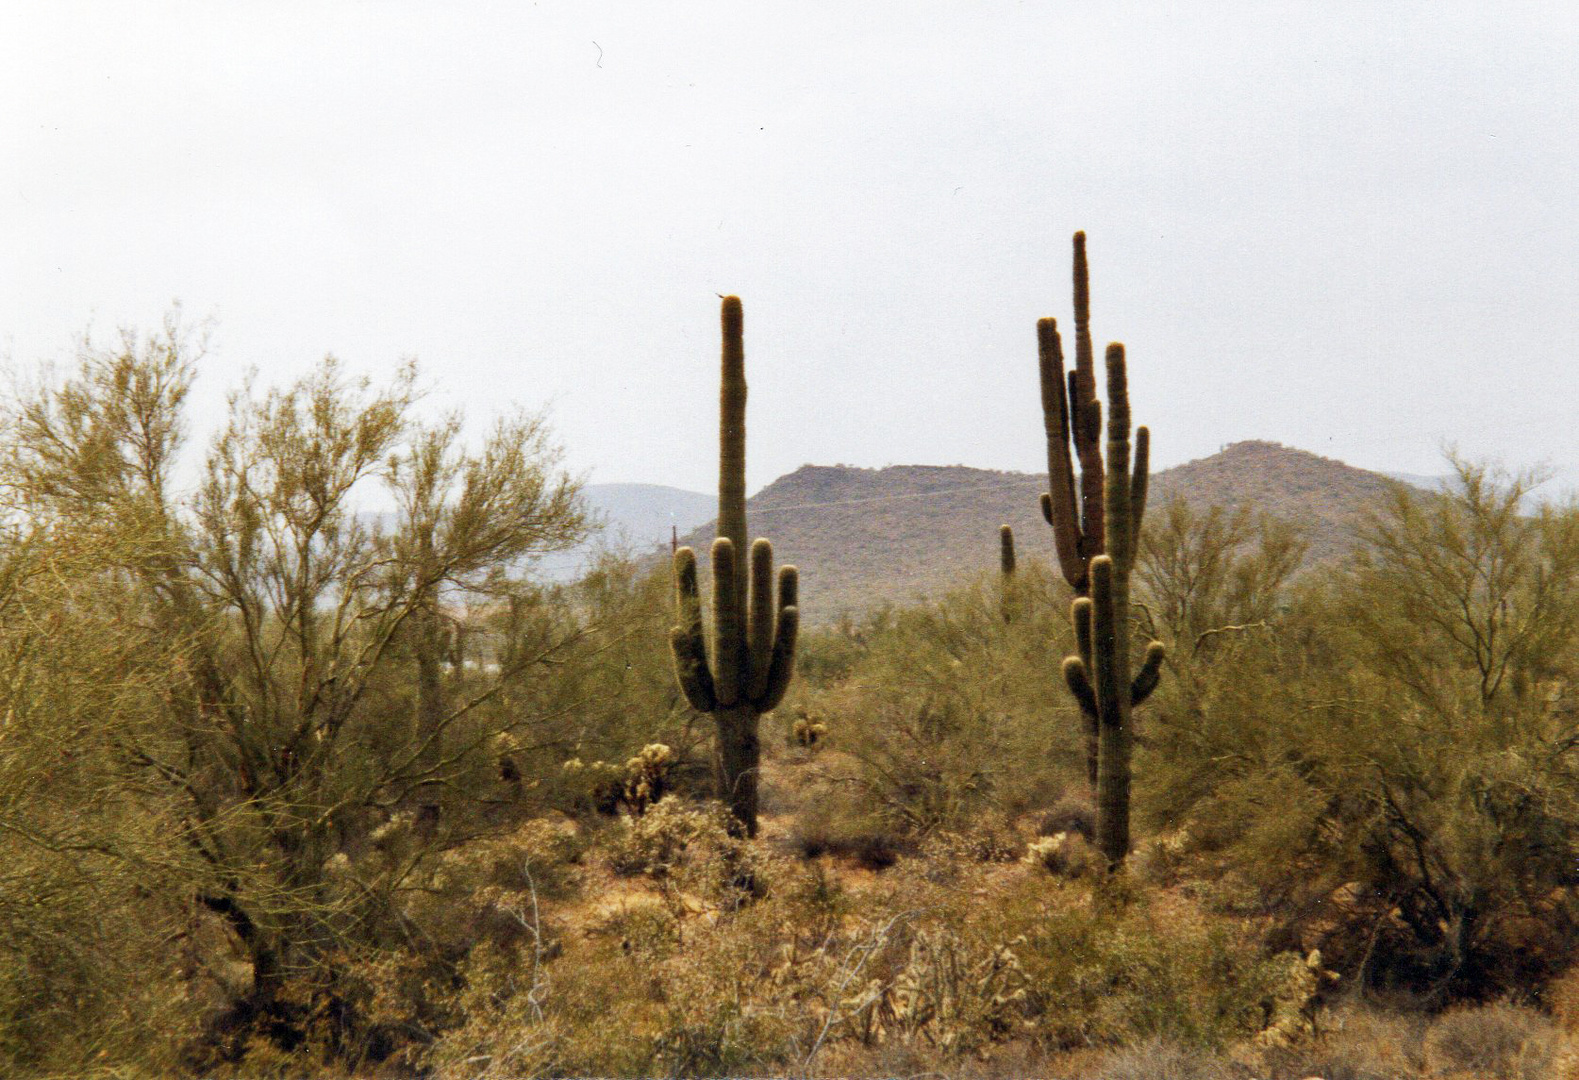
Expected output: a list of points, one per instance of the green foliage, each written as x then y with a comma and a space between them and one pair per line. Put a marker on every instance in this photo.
942, 718
98, 945
1206, 574
613, 690
1388, 762
298, 700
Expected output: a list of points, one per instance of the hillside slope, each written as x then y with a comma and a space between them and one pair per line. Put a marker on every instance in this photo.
863, 536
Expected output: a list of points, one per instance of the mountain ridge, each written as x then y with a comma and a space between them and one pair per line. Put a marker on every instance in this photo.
861, 536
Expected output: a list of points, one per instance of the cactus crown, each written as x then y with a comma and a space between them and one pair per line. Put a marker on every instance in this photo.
1079, 506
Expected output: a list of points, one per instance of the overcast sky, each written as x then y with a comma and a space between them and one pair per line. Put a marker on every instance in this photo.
1351, 228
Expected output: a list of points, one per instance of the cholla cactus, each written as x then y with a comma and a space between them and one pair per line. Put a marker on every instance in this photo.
808, 730
647, 777
636, 785
753, 640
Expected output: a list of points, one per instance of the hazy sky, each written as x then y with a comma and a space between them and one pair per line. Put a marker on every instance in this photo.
1351, 228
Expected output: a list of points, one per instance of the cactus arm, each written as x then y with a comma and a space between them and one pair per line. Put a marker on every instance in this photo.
759, 624
1149, 675
1081, 614
690, 670
728, 634
789, 587
1079, 683
686, 640
781, 669
1139, 479
1005, 550
1077, 417
1059, 506
1082, 301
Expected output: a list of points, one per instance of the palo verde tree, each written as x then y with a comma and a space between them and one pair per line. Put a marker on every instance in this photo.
753, 649
301, 704
1096, 519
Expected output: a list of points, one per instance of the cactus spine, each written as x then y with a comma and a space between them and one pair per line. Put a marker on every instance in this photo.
753, 650
1096, 526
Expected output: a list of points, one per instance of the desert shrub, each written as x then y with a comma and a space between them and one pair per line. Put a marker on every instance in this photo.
837, 827
95, 967
614, 695
476, 908
1157, 1059
1560, 997
1120, 968
1396, 732
949, 713
691, 845
1353, 1043
990, 841
1492, 1042
1071, 814
1064, 854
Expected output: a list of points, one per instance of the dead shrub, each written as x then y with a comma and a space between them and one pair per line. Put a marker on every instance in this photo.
1065, 855
1158, 1059
1353, 1044
1492, 1042
1071, 814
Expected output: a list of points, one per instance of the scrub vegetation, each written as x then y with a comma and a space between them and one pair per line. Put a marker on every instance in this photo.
304, 772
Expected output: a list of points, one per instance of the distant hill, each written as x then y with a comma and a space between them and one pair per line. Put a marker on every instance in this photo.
1324, 496
631, 517
860, 536
642, 514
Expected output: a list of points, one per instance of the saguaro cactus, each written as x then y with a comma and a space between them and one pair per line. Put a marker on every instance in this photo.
1008, 588
753, 648
1096, 524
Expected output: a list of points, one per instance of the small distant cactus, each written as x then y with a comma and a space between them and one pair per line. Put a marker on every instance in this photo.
1008, 591
1096, 525
808, 730
753, 640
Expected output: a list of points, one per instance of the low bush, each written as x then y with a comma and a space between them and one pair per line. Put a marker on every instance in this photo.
1492, 1042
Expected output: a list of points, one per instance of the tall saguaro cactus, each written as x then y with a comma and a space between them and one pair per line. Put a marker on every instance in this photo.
1096, 525
753, 639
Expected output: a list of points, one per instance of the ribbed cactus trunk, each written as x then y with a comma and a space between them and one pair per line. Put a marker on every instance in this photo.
753, 647
1096, 524
737, 759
